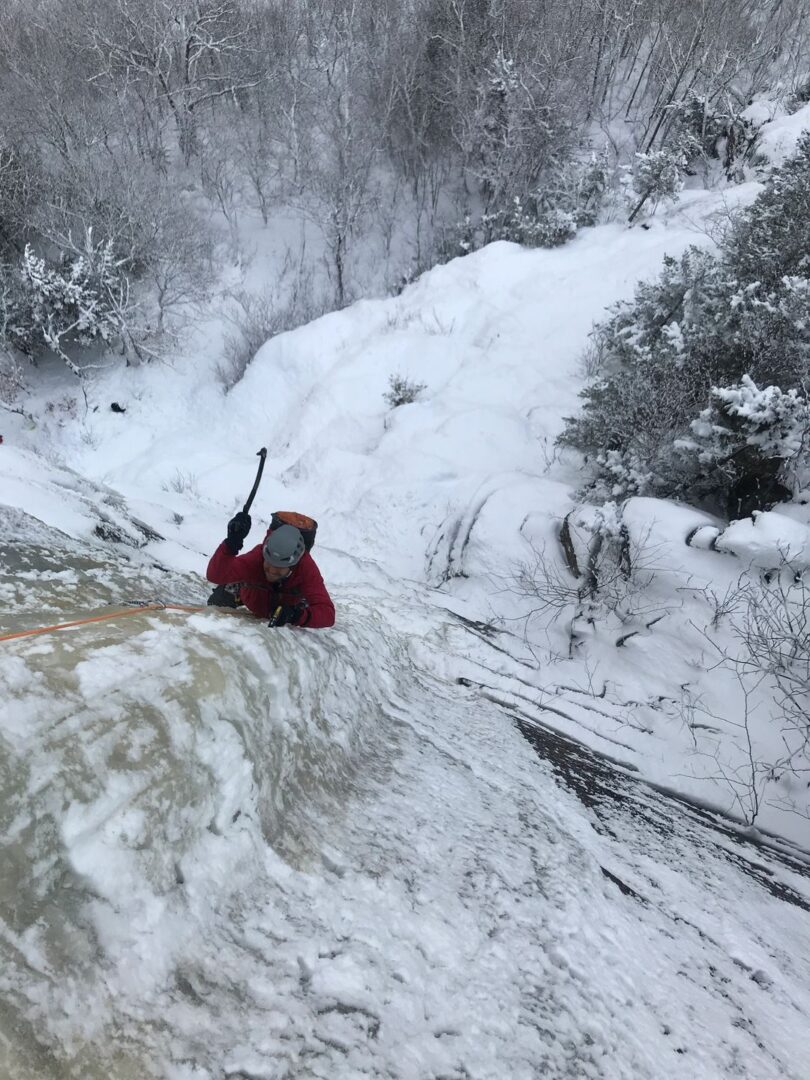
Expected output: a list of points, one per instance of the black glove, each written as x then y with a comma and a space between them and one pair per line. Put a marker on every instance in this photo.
238, 528
224, 596
288, 614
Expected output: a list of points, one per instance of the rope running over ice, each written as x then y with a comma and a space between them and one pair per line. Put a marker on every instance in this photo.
136, 610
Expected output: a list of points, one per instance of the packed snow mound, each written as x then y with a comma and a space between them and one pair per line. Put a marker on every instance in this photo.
768, 540
778, 135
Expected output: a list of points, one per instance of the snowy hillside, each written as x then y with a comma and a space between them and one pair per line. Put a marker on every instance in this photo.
461, 491
250, 854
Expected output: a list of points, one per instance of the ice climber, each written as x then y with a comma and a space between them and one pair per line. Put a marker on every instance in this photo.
278, 579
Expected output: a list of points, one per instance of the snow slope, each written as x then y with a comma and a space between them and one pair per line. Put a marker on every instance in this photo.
228, 853
457, 490
307, 856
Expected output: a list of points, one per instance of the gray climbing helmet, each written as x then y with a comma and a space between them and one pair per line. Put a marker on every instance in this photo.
284, 546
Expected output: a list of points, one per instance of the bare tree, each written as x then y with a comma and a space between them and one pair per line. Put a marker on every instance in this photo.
337, 137
181, 49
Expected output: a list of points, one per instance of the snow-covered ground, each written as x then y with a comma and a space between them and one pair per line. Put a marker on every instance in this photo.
231, 852
228, 854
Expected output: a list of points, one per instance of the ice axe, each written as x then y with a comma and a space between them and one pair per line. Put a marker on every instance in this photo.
261, 454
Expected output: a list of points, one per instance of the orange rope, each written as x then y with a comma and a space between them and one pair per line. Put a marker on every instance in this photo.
100, 618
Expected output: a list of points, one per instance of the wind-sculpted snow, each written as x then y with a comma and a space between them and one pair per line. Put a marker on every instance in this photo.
231, 852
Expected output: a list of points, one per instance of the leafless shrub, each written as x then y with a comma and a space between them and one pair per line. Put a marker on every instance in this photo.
729, 602
401, 391
550, 453
771, 622
63, 409
775, 633
221, 185
552, 589
255, 318
591, 359
183, 483
11, 378
747, 776
608, 585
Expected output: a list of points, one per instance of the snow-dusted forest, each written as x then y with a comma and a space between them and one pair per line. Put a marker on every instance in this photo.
517, 299
375, 139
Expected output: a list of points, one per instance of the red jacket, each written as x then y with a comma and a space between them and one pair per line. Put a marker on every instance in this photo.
262, 598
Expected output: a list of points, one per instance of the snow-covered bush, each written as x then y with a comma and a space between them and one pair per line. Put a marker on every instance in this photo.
771, 421
76, 301
755, 442
658, 175
705, 129
553, 227
622, 475
158, 238
707, 322
496, 141
585, 187
65, 302
800, 94
527, 224
11, 300
567, 197
512, 134
462, 238
770, 240
648, 384
402, 391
